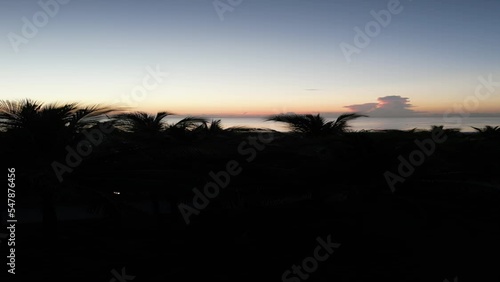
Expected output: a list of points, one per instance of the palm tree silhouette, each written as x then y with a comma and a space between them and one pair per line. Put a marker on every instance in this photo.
43, 130
448, 131
146, 125
142, 123
189, 123
47, 126
38, 133
185, 130
215, 127
152, 132
488, 132
315, 125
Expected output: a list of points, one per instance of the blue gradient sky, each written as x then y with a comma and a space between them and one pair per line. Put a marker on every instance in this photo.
265, 56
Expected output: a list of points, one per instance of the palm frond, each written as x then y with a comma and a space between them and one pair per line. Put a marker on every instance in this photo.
314, 124
141, 122
189, 123
341, 123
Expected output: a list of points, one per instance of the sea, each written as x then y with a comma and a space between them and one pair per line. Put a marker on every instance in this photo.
367, 123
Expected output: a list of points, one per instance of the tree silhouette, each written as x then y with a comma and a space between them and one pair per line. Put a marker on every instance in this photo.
488, 132
39, 133
315, 125
142, 123
185, 130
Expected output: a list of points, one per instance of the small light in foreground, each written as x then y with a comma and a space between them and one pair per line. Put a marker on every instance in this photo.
117, 193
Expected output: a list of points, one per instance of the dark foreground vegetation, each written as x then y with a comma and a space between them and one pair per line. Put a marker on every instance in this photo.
396, 205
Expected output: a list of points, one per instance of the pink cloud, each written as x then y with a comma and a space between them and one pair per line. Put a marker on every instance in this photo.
386, 106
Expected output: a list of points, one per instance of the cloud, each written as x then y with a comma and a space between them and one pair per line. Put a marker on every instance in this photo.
390, 106
362, 108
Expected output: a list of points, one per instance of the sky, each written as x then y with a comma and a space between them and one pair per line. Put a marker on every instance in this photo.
252, 57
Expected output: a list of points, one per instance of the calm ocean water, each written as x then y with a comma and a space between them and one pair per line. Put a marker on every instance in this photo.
370, 123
